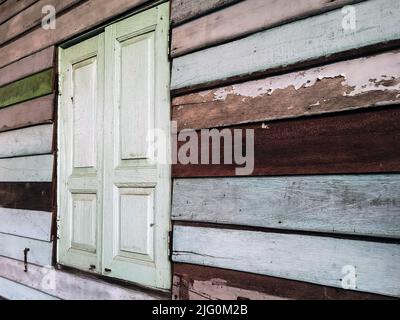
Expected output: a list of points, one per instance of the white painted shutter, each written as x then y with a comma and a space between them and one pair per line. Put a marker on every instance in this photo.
80, 154
114, 194
136, 185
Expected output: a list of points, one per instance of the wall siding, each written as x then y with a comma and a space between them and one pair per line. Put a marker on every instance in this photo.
368, 204
286, 45
299, 257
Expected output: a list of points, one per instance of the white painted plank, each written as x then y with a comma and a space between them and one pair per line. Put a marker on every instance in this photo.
26, 223
11, 290
318, 36
13, 247
27, 169
299, 257
27, 141
69, 286
349, 204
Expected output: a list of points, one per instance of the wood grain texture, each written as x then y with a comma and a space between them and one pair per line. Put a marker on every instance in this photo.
13, 247
34, 86
31, 17
12, 7
26, 223
28, 113
288, 45
70, 286
298, 257
27, 66
354, 142
242, 19
11, 290
183, 10
359, 83
369, 204
29, 195
86, 16
26, 141
27, 169
193, 282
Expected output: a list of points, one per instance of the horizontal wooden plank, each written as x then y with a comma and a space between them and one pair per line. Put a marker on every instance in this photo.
347, 85
193, 282
28, 88
183, 10
27, 169
40, 252
89, 14
28, 113
27, 66
12, 7
26, 141
364, 141
26, 223
31, 17
287, 45
370, 204
29, 195
11, 290
70, 286
312, 259
249, 16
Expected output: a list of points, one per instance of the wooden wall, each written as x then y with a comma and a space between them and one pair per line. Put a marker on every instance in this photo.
28, 113
324, 106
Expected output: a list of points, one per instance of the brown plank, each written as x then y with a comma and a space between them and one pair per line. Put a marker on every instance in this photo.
37, 111
26, 195
11, 7
31, 17
249, 16
192, 282
348, 142
85, 16
331, 88
25, 67
184, 10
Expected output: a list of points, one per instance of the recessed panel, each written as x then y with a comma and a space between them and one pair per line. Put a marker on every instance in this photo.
84, 110
137, 96
136, 221
84, 222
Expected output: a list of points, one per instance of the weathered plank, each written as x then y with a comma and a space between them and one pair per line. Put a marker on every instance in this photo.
11, 290
70, 286
27, 169
364, 141
26, 223
347, 85
27, 66
31, 17
40, 252
28, 88
249, 16
89, 14
369, 204
12, 7
29, 195
192, 282
312, 259
26, 141
287, 45
183, 10
28, 113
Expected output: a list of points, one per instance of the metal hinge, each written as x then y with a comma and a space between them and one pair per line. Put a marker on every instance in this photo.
170, 244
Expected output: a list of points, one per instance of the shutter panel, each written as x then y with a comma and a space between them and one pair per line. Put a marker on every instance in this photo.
136, 185
80, 154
